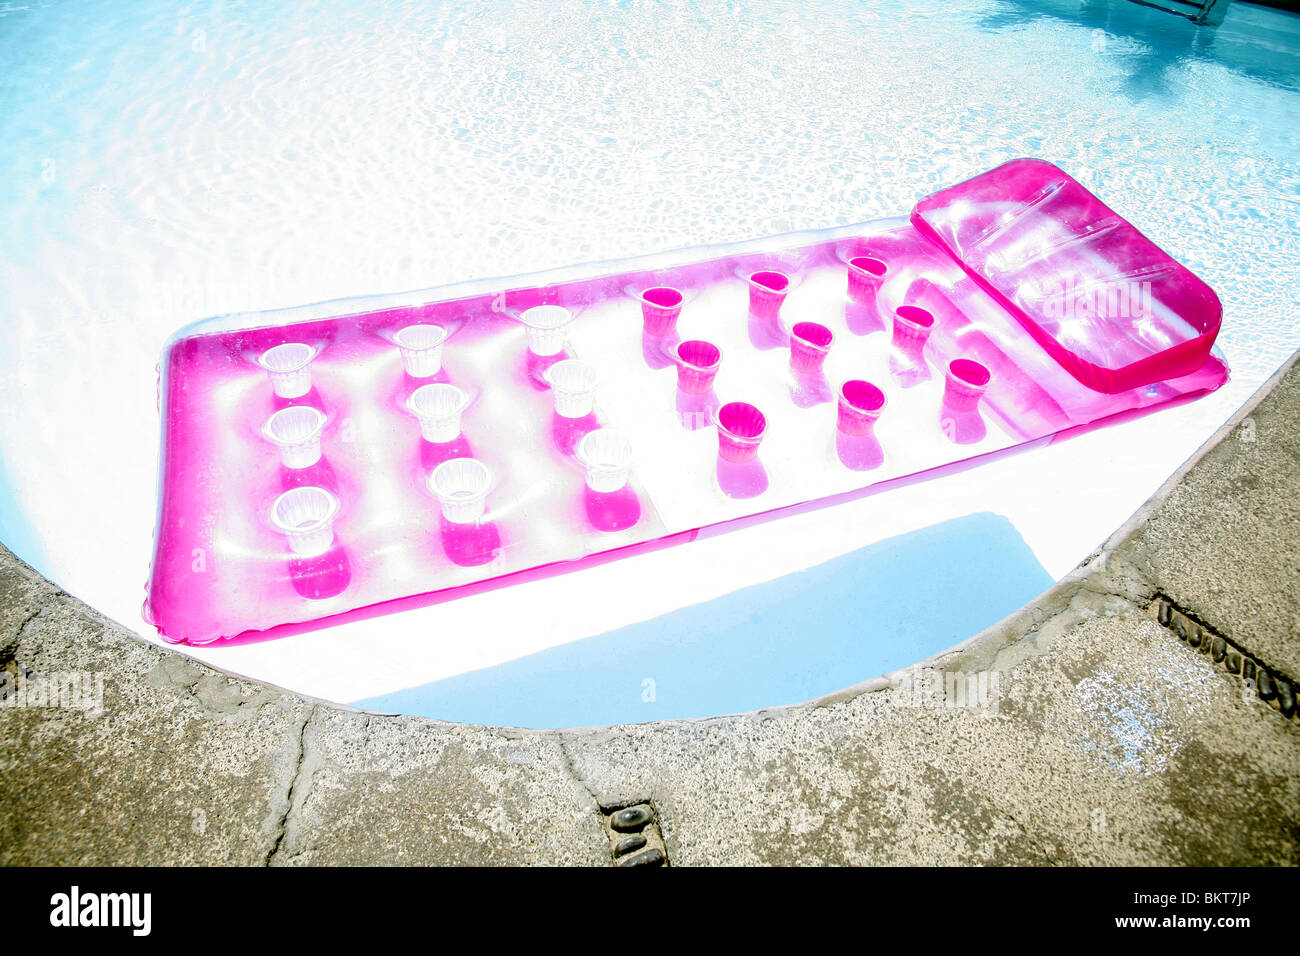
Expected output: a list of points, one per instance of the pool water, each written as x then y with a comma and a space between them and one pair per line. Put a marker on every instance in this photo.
791, 639
163, 164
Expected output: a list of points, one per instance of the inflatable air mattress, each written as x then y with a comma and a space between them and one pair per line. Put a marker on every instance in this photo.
366, 454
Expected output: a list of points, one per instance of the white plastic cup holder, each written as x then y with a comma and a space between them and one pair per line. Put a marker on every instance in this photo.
289, 366
305, 516
296, 432
607, 455
438, 407
547, 328
573, 383
421, 348
461, 486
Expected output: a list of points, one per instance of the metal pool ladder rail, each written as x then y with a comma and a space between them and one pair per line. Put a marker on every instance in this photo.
1209, 12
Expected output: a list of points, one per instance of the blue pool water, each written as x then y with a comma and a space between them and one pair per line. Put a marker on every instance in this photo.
161, 163
784, 641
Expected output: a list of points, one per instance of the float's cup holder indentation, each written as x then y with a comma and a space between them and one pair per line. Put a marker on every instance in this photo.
740, 429
573, 383
547, 328
305, 516
421, 348
296, 431
439, 408
461, 486
607, 455
289, 366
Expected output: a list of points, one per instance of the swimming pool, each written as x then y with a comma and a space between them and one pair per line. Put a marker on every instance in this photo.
163, 166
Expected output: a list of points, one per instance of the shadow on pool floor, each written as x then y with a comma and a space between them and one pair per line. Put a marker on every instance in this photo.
787, 640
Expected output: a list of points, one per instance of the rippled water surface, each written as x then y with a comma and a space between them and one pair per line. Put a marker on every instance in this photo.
161, 163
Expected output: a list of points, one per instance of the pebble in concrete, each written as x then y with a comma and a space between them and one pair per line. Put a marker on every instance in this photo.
1285, 698
635, 837
1267, 689
652, 857
1222, 543
631, 819
635, 842
1267, 683
190, 766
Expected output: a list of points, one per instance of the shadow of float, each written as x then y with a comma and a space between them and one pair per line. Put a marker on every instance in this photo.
791, 639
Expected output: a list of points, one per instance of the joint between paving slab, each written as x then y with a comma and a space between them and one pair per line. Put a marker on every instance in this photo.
603, 769
295, 794
9, 652
1213, 631
1238, 662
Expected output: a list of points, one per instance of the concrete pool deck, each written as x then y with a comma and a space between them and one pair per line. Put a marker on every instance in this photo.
1141, 711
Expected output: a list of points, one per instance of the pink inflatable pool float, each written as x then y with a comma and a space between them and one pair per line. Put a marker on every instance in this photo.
358, 457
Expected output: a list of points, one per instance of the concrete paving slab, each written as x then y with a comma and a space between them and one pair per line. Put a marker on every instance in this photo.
1112, 744
1225, 543
1079, 730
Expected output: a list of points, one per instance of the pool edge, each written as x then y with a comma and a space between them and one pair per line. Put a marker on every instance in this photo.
196, 765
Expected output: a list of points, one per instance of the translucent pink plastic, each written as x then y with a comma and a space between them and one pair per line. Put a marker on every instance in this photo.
1101, 298
810, 342
660, 308
588, 413
697, 365
740, 429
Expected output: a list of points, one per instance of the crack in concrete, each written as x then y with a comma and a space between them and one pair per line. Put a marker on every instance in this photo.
572, 769
1163, 608
1092, 587
296, 793
1030, 838
9, 652
1231, 642
1117, 578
